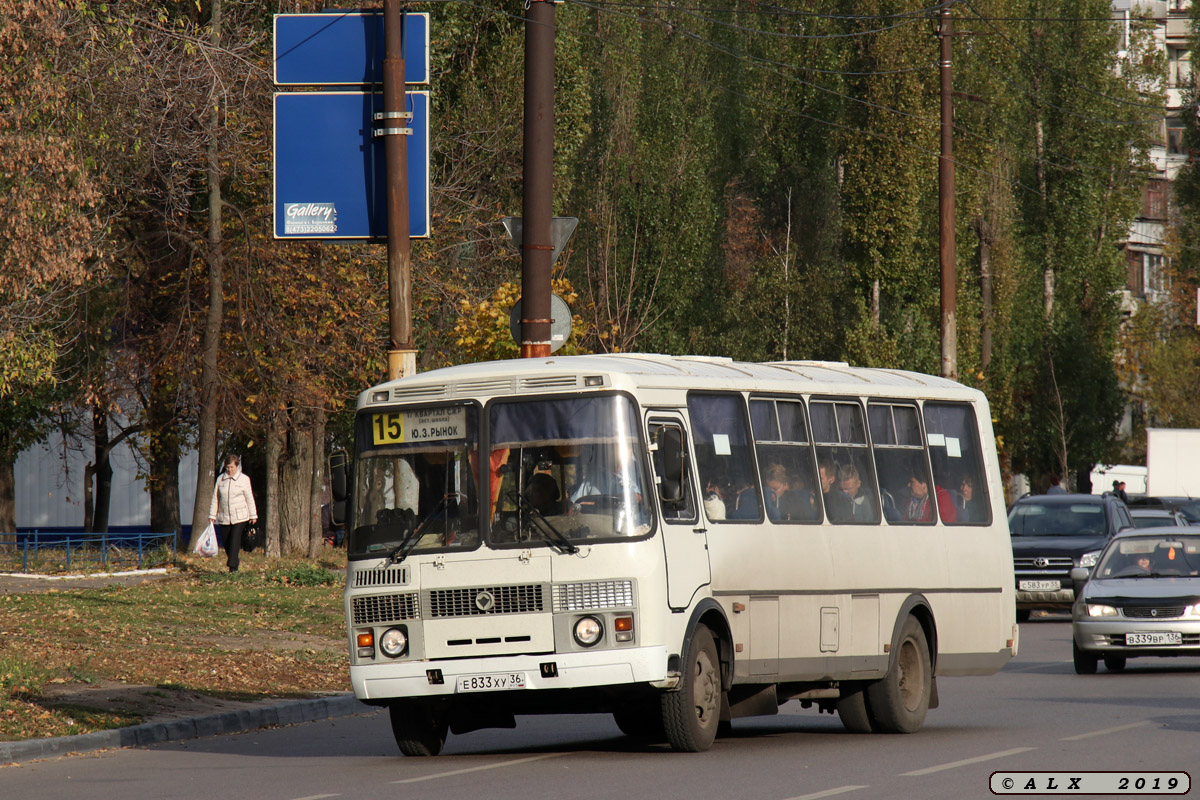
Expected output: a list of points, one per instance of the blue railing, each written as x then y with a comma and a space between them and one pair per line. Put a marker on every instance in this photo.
70, 549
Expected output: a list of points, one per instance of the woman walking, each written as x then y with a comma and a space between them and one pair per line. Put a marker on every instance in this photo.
232, 507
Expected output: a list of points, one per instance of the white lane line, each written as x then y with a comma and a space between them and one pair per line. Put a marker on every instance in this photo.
829, 793
966, 761
317, 796
1117, 729
514, 762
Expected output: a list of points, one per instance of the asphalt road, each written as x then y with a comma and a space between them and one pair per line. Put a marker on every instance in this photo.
1035, 715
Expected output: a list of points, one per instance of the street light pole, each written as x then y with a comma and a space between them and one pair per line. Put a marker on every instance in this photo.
946, 203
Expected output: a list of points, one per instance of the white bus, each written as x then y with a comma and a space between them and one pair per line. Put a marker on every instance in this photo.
677, 541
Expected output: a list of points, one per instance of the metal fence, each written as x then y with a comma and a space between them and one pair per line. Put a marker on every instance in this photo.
62, 551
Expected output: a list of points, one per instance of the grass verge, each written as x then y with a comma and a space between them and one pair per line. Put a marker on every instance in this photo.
275, 629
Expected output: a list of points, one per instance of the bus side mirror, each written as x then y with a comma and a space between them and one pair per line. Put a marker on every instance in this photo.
339, 486
669, 440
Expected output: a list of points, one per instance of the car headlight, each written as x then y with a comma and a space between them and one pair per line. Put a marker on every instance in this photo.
588, 631
1099, 610
1089, 559
1192, 611
394, 642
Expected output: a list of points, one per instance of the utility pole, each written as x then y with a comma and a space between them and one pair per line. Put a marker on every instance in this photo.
946, 202
402, 350
536, 246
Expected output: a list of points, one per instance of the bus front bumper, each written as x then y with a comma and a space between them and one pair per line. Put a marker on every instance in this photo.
393, 679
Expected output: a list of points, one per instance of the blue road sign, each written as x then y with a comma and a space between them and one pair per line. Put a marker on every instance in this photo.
329, 167
344, 49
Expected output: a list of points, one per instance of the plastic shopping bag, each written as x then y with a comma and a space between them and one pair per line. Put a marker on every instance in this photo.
206, 545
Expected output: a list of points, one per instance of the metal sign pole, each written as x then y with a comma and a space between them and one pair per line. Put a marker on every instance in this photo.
402, 353
536, 247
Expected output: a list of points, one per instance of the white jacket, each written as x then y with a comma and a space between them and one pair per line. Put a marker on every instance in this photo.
232, 500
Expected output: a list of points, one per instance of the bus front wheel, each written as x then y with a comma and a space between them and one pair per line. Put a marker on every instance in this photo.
642, 721
419, 729
898, 701
691, 714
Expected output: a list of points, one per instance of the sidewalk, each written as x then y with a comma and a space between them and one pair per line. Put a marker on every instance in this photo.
259, 715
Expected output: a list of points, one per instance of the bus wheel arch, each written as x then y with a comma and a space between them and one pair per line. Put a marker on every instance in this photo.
708, 612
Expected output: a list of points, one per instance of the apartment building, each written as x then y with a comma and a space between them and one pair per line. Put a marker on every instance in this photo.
1148, 279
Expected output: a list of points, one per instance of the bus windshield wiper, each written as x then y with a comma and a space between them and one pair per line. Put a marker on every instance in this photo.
414, 532
538, 522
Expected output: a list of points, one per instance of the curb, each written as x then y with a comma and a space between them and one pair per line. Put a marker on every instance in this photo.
240, 721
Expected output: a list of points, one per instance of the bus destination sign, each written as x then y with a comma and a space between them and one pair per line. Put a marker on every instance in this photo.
427, 425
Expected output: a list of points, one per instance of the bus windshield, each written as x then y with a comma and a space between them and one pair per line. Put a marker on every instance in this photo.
416, 483
566, 469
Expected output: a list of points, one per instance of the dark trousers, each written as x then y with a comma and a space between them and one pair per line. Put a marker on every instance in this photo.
233, 543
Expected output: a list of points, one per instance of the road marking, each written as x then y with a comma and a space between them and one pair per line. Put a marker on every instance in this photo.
1117, 729
829, 792
317, 796
965, 761
514, 762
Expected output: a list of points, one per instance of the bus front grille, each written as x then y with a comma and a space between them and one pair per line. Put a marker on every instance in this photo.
382, 608
593, 595
391, 576
486, 600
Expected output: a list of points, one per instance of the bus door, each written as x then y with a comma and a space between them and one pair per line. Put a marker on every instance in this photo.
685, 539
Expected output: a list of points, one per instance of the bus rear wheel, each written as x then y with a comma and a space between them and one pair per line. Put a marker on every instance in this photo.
899, 701
420, 730
691, 714
853, 712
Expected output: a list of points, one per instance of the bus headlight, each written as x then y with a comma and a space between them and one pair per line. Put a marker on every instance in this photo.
588, 631
394, 642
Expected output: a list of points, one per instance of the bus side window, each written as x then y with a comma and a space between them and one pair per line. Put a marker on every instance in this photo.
724, 460
957, 461
847, 479
909, 496
673, 472
785, 460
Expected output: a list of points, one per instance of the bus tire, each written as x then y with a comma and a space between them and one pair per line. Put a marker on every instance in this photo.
642, 721
419, 729
898, 701
853, 712
691, 714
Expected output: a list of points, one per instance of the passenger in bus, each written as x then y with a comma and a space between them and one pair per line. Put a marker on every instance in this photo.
836, 503
776, 485
801, 504
785, 503
969, 508
745, 502
919, 508
714, 500
859, 503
